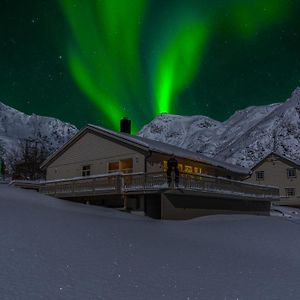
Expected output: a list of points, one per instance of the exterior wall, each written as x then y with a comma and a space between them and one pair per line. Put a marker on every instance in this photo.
184, 207
155, 164
275, 174
95, 151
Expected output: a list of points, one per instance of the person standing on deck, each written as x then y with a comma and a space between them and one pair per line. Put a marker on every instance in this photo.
173, 166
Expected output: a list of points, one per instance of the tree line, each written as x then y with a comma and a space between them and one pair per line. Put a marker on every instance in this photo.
24, 162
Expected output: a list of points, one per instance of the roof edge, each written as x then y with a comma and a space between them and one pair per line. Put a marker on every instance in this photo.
96, 129
65, 145
297, 163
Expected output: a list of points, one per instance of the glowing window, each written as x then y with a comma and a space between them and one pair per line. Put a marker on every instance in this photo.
113, 166
126, 165
165, 166
188, 169
180, 167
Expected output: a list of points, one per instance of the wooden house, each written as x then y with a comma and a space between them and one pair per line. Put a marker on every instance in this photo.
282, 172
121, 170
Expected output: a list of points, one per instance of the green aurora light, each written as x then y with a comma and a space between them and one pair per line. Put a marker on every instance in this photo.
106, 60
177, 65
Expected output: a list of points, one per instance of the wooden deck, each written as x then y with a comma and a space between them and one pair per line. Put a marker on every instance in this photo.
141, 183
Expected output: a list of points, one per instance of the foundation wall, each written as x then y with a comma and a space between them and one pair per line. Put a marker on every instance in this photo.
181, 207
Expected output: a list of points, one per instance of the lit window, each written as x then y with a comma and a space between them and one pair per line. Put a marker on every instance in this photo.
86, 170
260, 175
188, 169
197, 170
290, 192
291, 173
113, 166
165, 166
180, 167
126, 165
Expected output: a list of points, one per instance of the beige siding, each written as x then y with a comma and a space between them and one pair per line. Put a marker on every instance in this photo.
95, 151
275, 174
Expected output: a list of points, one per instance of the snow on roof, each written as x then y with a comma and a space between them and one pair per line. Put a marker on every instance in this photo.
151, 145
164, 148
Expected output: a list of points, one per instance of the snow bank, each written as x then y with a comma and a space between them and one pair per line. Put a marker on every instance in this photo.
53, 249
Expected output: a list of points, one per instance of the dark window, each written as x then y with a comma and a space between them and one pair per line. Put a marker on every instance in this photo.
291, 173
290, 192
260, 175
86, 170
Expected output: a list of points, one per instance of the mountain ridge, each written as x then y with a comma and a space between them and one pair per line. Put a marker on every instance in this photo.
17, 127
243, 139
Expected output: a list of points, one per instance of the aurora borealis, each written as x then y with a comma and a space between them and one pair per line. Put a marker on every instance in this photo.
94, 61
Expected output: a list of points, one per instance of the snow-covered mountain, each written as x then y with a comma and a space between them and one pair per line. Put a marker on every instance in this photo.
244, 139
16, 127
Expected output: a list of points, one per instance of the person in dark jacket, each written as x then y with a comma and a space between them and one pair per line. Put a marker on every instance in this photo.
172, 167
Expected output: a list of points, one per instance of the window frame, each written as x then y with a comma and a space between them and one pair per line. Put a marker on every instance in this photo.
110, 163
288, 190
86, 170
126, 170
288, 170
119, 162
259, 178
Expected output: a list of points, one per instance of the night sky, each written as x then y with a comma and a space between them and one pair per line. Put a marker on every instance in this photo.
94, 61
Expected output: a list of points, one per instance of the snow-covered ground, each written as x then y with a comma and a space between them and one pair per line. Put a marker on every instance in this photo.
286, 212
54, 249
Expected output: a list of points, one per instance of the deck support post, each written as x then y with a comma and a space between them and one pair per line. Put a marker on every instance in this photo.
125, 201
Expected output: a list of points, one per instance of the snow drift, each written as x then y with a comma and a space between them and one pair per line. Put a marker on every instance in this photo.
54, 249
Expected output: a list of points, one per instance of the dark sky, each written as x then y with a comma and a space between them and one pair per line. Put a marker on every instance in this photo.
94, 61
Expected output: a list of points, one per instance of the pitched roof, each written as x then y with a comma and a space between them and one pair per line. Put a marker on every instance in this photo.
151, 145
283, 157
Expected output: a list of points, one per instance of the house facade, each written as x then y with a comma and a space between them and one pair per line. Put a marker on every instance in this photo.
282, 172
95, 150
121, 170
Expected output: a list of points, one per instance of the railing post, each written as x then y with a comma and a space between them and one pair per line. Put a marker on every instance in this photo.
119, 183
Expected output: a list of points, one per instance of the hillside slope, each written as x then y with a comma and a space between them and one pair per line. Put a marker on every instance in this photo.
243, 139
17, 127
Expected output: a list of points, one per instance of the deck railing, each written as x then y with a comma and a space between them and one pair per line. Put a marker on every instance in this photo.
118, 183
107, 183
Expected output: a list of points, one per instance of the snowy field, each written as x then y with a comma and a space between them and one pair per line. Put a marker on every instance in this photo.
53, 249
